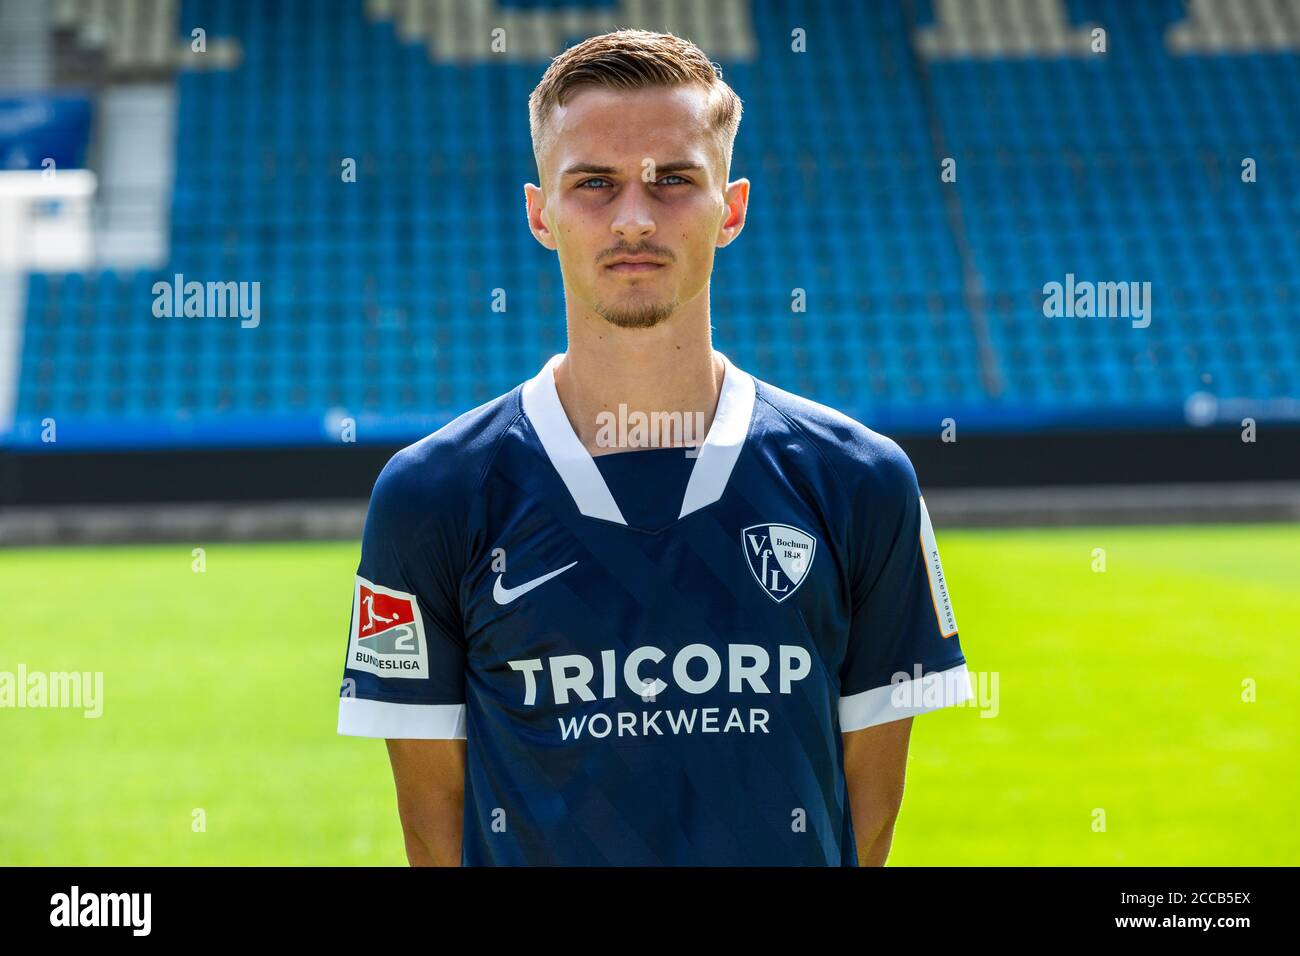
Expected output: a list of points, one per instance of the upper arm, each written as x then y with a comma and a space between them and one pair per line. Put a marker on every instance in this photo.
875, 762
875, 765
903, 657
404, 673
427, 768
430, 779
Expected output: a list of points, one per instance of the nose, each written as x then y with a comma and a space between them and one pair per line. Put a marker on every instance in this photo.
632, 220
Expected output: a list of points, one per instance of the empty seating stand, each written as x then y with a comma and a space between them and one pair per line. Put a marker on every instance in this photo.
923, 298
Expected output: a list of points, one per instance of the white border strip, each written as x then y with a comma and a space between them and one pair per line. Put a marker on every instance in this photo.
934, 568
722, 445
906, 698
359, 717
575, 466
13, 315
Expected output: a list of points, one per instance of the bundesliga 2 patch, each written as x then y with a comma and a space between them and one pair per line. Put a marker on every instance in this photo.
387, 633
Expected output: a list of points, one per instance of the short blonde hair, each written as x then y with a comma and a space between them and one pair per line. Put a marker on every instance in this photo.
633, 60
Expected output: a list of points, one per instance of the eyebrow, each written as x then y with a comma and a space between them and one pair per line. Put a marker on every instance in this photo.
592, 169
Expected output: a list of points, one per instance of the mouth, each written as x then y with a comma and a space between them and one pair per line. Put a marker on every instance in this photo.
634, 266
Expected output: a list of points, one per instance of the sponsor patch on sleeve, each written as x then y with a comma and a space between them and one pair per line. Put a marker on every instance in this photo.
938, 585
387, 633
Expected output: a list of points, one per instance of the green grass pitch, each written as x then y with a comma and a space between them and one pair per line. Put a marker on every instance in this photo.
1121, 735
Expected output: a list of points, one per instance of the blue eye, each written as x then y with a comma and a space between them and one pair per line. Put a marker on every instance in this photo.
600, 182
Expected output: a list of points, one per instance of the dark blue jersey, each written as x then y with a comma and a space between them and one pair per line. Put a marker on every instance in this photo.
643, 685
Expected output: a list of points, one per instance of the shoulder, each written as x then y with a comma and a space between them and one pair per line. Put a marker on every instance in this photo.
863, 460
440, 473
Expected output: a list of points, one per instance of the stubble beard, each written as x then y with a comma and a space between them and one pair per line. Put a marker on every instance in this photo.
645, 315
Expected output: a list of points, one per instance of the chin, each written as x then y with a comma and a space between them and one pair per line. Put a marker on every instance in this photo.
637, 316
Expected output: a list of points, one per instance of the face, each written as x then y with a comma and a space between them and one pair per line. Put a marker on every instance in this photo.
635, 175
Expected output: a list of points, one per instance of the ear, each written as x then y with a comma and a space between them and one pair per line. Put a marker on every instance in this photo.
736, 197
535, 200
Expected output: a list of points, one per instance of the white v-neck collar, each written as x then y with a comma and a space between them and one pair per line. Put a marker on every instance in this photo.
575, 466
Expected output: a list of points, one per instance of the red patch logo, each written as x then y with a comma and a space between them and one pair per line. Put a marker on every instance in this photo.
379, 612
387, 632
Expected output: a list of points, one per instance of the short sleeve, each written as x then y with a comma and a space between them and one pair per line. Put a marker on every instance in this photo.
903, 656
404, 675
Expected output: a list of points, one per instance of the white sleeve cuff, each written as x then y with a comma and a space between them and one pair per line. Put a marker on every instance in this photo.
359, 717
905, 698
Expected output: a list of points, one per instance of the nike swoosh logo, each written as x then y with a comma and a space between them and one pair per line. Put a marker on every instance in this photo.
505, 595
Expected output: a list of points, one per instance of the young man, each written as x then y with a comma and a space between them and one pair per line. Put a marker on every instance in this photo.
707, 656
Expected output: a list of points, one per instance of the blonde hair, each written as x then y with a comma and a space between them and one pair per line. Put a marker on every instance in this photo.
633, 60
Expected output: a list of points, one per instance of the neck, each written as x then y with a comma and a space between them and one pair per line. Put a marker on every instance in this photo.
670, 370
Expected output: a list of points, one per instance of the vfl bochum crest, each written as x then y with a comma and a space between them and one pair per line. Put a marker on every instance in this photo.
779, 557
